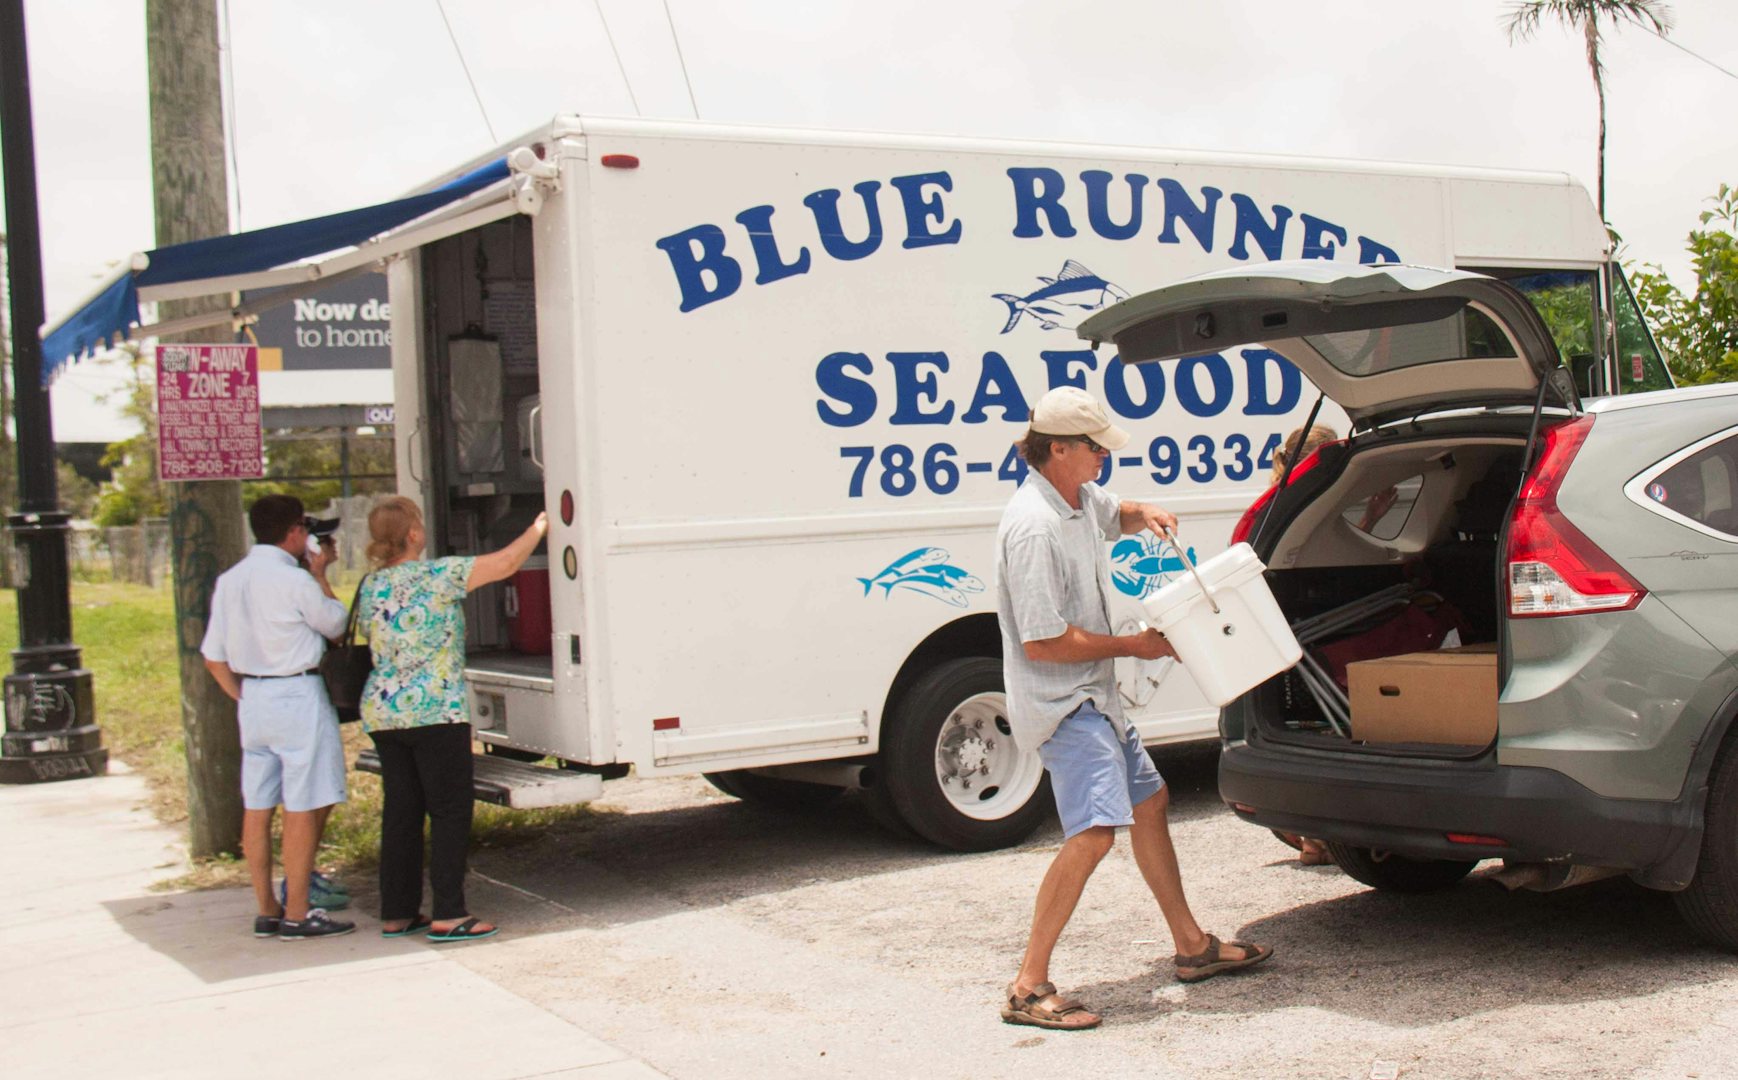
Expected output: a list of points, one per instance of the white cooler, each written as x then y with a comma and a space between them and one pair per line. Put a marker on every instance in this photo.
1225, 624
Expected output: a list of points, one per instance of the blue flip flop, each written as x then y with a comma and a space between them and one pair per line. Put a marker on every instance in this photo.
417, 926
465, 931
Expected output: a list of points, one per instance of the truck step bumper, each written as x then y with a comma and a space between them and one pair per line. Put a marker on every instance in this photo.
515, 784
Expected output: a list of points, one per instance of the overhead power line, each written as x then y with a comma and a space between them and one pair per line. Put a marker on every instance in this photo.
680, 59
611, 38
493, 138
1691, 52
226, 52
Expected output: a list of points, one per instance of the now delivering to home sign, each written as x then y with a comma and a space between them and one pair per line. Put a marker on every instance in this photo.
208, 413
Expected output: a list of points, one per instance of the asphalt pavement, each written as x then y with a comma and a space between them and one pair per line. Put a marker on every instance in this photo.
679, 932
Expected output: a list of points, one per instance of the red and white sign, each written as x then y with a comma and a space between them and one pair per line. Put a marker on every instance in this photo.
208, 413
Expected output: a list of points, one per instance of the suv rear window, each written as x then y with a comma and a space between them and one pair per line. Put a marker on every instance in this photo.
1469, 332
1703, 487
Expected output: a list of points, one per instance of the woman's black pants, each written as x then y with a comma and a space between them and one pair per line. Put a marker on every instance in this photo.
425, 771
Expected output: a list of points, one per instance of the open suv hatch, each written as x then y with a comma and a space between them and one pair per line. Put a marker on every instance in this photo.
1584, 561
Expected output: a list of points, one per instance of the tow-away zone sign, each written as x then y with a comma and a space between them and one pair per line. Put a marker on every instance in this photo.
208, 413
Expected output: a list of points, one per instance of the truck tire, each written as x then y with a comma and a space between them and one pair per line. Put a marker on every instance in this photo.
721, 781
772, 792
949, 764
877, 802
1389, 872
1710, 903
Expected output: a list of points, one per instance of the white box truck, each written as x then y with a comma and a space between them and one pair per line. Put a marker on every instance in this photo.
767, 385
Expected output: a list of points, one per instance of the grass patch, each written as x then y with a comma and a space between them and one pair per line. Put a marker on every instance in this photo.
127, 635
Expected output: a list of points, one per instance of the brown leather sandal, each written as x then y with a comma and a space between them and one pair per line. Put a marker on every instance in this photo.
1212, 960
1045, 1008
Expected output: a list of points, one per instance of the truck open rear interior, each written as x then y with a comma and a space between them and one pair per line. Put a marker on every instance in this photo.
480, 337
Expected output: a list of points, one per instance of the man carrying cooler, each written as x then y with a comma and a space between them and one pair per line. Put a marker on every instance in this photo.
269, 623
1058, 651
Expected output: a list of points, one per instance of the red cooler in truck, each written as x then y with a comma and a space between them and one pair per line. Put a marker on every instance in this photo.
528, 618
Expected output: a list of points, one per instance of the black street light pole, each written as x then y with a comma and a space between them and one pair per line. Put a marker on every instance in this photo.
51, 731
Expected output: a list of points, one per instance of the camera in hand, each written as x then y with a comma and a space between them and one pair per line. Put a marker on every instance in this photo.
320, 531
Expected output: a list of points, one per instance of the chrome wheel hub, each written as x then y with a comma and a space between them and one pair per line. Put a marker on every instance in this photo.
982, 771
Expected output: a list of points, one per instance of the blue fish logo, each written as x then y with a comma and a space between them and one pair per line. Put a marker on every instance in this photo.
925, 571
1140, 565
1063, 301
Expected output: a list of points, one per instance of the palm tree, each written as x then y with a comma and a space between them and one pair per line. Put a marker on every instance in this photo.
1586, 16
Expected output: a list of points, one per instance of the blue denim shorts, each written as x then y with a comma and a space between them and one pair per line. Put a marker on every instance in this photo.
1098, 778
290, 749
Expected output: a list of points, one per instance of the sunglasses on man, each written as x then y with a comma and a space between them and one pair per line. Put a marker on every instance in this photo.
1089, 444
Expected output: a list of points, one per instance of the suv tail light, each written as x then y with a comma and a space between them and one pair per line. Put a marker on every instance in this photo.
1554, 569
1246, 523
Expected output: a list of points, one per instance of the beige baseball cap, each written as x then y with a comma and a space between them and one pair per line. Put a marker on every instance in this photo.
1069, 410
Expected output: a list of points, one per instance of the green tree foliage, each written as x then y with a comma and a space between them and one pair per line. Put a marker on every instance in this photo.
1699, 332
134, 492
310, 466
1568, 310
1587, 17
78, 496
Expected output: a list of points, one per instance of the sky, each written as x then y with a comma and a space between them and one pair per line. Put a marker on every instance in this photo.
340, 104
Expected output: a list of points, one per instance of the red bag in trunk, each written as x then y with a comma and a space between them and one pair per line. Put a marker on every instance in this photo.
1412, 629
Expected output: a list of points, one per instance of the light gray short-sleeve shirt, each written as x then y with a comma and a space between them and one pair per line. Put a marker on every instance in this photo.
1052, 572
269, 616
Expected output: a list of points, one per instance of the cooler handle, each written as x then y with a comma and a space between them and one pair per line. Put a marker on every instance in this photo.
1183, 553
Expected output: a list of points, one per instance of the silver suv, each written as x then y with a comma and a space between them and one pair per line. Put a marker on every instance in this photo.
1590, 554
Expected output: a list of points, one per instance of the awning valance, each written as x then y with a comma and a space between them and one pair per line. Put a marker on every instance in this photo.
177, 270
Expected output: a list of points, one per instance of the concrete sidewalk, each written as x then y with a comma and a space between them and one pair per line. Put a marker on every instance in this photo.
103, 977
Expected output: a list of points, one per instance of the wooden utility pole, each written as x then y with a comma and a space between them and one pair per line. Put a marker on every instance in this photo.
205, 517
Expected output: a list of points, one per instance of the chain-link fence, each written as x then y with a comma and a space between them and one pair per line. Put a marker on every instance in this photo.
352, 535
139, 554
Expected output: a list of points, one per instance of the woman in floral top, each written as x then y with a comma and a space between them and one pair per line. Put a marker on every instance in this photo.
414, 709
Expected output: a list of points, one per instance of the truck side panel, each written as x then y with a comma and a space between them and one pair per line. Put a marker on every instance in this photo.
808, 365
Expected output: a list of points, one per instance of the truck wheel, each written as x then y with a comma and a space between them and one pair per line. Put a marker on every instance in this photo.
877, 802
773, 792
950, 766
1710, 903
721, 781
1397, 873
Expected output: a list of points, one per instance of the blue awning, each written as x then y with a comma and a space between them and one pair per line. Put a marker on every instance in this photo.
115, 311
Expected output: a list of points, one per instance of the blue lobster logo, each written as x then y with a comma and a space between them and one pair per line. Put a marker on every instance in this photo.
1141, 564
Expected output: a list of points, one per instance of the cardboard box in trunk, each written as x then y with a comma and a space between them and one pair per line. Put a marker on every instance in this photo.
1448, 696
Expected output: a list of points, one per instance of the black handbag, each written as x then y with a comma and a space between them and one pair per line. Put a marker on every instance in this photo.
346, 666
